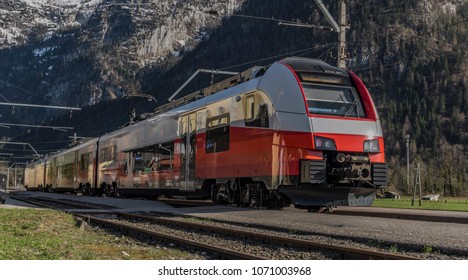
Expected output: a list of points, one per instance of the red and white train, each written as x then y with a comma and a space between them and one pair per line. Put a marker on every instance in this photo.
299, 131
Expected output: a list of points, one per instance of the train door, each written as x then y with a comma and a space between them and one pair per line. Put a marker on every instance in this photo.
76, 170
188, 126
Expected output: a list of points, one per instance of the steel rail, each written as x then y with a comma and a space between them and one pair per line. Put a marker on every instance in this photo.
293, 242
186, 202
226, 253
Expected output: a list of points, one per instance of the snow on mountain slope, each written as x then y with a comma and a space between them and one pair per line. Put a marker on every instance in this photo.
26, 20
82, 52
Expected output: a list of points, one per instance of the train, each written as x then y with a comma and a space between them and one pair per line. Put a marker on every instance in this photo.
298, 131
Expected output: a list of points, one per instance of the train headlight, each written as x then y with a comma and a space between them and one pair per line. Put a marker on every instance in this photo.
323, 143
371, 146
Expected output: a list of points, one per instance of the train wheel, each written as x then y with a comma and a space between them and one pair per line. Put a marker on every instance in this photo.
106, 189
277, 201
274, 202
84, 189
116, 191
88, 189
220, 194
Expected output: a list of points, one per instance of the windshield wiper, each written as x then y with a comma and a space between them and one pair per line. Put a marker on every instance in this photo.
350, 109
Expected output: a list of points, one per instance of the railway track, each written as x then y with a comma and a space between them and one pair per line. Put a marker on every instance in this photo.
186, 202
344, 252
153, 235
232, 243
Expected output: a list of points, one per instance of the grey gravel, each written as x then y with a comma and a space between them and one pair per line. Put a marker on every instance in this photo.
426, 240
237, 244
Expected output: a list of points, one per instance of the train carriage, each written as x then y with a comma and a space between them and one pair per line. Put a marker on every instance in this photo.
71, 170
299, 131
139, 159
34, 175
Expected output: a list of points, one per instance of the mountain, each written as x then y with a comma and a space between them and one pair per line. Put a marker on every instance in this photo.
83, 52
410, 53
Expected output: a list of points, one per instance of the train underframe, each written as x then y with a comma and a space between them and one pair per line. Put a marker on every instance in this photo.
340, 179
245, 192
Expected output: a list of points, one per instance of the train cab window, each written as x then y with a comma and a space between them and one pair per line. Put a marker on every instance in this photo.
217, 133
333, 100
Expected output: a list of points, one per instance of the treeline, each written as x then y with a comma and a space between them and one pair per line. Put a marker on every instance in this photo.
419, 77
414, 63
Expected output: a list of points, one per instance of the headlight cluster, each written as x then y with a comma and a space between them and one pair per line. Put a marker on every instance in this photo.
371, 146
323, 143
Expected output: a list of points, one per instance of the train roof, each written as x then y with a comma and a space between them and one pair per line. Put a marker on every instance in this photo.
89, 141
302, 64
245, 81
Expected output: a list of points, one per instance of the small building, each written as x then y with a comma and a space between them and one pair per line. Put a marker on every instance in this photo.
390, 194
431, 197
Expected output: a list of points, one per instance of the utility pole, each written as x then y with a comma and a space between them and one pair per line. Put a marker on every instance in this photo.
342, 52
407, 162
417, 185
341, 29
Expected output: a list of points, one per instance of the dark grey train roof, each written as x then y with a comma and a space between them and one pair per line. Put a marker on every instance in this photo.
302, 64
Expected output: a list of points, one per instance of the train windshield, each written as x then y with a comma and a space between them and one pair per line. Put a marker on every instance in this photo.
333, 100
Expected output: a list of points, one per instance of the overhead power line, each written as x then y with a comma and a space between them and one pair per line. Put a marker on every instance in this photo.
278, 56
62, 128
27, 91
39, 106
285, 22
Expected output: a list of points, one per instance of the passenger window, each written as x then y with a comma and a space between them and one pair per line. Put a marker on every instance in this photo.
260, 119
141, 159
183, 126
217, 134
85, 161
249, 108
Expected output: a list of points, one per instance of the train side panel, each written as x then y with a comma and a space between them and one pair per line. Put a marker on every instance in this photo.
127, 159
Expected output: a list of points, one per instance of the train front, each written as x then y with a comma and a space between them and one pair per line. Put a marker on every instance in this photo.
340, 158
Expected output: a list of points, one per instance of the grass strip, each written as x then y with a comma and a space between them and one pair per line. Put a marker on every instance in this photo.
31, 234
